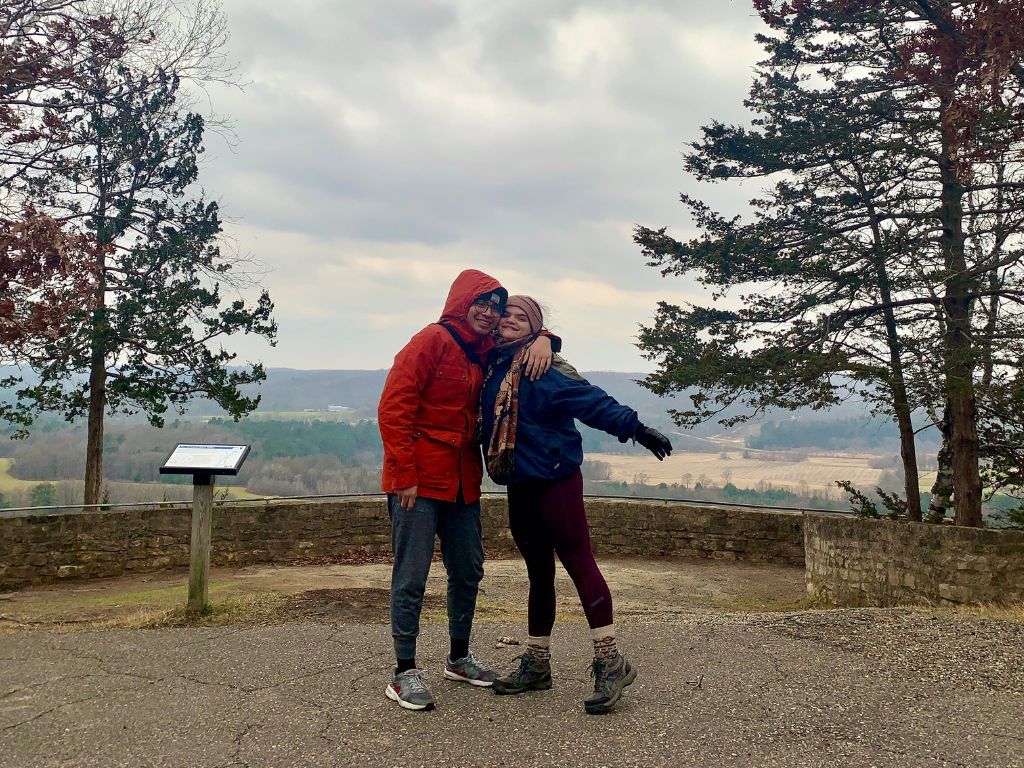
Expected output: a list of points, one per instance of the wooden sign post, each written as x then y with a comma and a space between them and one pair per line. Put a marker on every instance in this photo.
204, 463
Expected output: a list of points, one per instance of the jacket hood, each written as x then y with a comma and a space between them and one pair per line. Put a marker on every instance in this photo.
467, 286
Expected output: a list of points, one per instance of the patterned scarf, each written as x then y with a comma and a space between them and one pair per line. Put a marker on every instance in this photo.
502, 443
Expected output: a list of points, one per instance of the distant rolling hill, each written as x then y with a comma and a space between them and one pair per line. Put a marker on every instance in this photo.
292, 390
289, 389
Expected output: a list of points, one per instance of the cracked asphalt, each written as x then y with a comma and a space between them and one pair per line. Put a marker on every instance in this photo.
865, 687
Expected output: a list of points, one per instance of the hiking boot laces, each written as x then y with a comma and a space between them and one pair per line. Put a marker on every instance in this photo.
525, 662
598, 669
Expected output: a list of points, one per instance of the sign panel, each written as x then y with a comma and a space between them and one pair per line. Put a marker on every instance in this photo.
198, 459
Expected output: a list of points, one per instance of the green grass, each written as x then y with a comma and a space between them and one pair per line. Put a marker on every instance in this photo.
251, 608
145, 609
163, 597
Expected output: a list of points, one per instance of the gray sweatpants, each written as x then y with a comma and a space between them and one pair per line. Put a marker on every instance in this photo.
412, 541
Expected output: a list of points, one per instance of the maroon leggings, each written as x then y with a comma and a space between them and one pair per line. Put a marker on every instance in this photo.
547, 518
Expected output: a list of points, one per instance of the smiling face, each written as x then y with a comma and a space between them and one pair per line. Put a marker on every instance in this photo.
483, 316
514, 324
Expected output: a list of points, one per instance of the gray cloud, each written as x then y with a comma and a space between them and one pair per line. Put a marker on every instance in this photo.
525, 137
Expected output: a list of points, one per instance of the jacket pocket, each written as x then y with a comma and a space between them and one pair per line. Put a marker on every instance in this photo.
450, 386
437, 456
450, 437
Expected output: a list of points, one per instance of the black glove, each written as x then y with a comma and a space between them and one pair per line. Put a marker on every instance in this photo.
653, 441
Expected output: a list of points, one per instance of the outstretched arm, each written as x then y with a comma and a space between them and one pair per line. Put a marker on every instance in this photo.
596, 408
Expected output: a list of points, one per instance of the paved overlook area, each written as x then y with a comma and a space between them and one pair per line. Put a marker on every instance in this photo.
734, 671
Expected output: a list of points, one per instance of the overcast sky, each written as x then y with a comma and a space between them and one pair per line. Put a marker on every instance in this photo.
385, 146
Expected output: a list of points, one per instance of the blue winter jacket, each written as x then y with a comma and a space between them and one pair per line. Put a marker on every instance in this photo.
548, 445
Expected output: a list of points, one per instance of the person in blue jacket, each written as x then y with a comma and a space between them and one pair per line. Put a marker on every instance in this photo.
533, 447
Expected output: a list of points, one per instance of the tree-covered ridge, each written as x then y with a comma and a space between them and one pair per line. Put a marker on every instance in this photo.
135, 453
830, 435
288, 458
357, 443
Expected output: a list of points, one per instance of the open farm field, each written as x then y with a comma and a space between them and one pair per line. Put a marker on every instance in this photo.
127, 492
814, 472
8, 483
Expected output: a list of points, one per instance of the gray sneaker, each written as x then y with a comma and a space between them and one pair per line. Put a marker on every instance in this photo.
532, 675
408, 690
611, 676
469, 670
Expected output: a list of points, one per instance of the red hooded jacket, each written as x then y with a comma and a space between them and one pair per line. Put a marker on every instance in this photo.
427, 411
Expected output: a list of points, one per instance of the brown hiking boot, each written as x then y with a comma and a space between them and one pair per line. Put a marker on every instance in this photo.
611, 676
532, 675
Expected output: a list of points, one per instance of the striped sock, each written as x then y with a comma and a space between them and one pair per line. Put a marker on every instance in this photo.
604, 642
539, 648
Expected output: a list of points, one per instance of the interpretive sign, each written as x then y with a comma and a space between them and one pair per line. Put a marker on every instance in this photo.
200, 459
203, 462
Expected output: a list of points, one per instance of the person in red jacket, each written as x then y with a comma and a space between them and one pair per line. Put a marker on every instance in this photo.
432, 473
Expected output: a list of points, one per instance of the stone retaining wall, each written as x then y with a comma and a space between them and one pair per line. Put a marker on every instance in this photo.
678, 530
46, 548
853, 561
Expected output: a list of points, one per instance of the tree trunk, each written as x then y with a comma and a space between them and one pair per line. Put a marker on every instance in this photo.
966, 474
897, 378
942, 489
908, 452
901, 406
966, 482
94, 444
959, 353
97, 394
